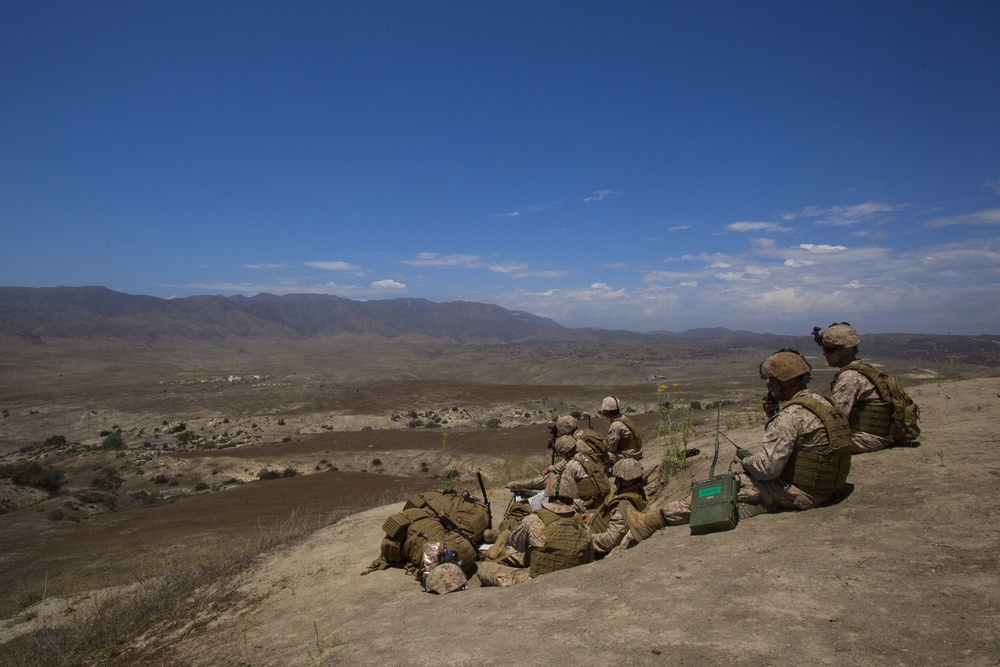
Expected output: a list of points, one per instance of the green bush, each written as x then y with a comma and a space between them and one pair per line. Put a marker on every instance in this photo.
54, 440
113, 441
110, 481
33, 474
160, 479
268, 474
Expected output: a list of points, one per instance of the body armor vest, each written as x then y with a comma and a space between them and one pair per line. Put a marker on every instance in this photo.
821, 471
595, 487
633, 441
596, 441
566, 544
874, 417
602, 518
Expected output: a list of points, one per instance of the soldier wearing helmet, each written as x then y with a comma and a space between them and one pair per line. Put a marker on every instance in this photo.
624, 440
551, 538
608, 522
854, 390
804, 460
577, 460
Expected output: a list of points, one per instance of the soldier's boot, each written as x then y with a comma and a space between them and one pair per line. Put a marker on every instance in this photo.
499, 548
640, 525
747, 510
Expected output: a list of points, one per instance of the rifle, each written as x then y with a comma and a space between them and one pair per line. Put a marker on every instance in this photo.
486, 498
552, 443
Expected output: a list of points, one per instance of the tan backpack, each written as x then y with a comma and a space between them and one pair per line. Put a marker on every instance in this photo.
457, 511
905, 426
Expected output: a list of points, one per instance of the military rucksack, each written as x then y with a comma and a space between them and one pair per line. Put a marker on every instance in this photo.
597, 442
904, 421
516, 512
457, 511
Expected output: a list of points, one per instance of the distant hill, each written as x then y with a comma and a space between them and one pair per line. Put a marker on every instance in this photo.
101, 313
705, 333
97, 312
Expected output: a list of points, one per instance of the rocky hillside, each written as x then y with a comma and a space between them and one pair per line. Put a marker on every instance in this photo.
904, 571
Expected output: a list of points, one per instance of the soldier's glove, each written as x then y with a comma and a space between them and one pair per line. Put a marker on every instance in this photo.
742, 453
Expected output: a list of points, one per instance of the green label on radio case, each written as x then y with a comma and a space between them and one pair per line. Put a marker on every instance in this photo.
710, 491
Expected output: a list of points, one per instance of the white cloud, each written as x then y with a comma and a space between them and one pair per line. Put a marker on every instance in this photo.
848, 215
388, 285
332, 266
435, 259
600, 194
516, 213
798, 263
822, 249
264, 266
510, 267
756, 227
678, 228
986, 216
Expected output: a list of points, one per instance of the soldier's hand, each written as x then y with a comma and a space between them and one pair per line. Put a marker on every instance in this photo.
769, 406
742, 453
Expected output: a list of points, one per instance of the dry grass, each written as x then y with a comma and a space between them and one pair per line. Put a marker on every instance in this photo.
108, 630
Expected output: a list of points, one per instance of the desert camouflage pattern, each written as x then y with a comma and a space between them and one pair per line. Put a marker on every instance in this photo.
793, 428
529, 534
622, 441
611, 513
851, 390
840, 335
444, 578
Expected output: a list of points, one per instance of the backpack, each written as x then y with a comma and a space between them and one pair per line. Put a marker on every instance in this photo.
597, 442
457, 511
904, 426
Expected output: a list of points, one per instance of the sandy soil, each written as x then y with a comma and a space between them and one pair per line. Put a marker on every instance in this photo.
904, 571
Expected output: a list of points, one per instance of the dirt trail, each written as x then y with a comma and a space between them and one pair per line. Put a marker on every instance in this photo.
904, 571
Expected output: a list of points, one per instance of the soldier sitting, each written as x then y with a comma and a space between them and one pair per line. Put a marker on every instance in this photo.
608, 522
804, 460
552, 538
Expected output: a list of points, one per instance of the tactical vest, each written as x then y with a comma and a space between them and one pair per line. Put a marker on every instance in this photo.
595, 487
517, 511
821, 471
633, 441
597, 442
601, 520
566, 544
894, 415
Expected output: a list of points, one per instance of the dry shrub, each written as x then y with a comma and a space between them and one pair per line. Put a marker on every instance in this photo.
158, 601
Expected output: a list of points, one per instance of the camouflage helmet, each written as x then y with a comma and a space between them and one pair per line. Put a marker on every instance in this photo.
611, 404
838, 335
565, 425
627, 470
444, 578
561, 486
564, 444
784, 365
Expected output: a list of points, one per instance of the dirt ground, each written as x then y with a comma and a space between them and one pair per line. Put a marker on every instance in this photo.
904, 571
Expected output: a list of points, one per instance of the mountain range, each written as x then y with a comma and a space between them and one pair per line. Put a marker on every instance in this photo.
96, 312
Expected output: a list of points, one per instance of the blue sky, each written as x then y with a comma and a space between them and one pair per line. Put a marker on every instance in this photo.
636, 165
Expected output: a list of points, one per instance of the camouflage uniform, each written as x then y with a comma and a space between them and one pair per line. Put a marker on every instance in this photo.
609, 517
624, 440
620, 435
851, 390
794, 428
530, 539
